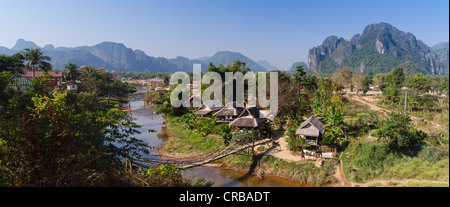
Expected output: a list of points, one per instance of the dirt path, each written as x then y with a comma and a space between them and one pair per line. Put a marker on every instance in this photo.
282, 151
428, 127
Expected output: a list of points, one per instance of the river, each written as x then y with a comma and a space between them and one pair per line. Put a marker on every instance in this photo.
222, 177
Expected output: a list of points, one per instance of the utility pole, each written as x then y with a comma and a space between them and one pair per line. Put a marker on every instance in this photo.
406, 91
406, 98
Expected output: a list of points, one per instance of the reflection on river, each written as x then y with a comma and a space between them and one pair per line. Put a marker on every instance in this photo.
222, 177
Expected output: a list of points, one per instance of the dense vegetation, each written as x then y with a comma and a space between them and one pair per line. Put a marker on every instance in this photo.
50, 136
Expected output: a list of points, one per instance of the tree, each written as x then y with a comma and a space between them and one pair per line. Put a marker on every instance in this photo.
392, 84
397, 132
71, 71
13, 63
343, 77
46, 142
427, 101
420, 83
357, 82
367, 81
36, 60
328, 107
398, 77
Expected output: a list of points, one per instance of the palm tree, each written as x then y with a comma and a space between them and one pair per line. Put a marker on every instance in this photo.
36, 59
71, 71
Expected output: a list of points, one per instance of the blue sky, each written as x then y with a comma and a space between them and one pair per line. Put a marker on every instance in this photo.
280, 32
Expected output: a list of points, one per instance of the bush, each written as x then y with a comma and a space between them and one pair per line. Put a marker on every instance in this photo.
397, 132
429, 153
294, 142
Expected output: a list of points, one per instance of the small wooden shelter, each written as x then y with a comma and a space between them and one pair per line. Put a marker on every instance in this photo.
311, 129
209, 107
228, 113
249, 118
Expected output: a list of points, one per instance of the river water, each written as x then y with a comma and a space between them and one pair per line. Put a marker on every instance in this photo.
222, 177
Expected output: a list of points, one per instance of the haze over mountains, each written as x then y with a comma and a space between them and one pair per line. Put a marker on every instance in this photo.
380, 48
116, 56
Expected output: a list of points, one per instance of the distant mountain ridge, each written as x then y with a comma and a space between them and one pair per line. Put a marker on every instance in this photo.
116, 56
294, 66
442, 51
380, 48
267, 65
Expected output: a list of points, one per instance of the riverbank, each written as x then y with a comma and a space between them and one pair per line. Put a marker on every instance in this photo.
182, 143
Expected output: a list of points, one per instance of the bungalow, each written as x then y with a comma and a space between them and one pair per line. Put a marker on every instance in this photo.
228, 113
249, 118
311, 129
209, 107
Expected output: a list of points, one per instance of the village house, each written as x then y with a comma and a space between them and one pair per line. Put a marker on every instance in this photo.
311, 130
56, 80
156, 81
20, 83
228, 113
209, 107
72, 85
249, 119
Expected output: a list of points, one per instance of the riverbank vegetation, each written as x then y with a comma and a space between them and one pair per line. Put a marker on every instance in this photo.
51, 136
373, 145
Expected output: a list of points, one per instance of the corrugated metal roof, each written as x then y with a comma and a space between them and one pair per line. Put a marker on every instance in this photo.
20, 81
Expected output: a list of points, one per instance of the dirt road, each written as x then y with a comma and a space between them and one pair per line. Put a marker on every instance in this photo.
428, 126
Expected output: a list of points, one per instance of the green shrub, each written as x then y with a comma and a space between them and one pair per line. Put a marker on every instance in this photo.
429, 153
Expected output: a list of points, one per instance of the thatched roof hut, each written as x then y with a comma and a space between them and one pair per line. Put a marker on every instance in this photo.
228, 113
249, 118
209, 107
312, 127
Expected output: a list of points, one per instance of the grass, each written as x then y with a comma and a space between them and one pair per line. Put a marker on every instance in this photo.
366, 161
186, 141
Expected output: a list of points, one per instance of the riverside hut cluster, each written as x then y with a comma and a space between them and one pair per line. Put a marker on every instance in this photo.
251, 118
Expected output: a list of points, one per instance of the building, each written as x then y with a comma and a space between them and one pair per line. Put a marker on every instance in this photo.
156, 81
57, 77
311, 129
72, 85
249, 119
209, 107
228, 113
20, 83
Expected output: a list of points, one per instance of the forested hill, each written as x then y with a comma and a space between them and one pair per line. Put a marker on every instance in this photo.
380, 48
116, 56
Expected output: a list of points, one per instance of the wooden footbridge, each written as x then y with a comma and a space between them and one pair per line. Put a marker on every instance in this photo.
204, 158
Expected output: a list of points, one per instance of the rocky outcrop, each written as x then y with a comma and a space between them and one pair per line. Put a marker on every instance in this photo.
380, 48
